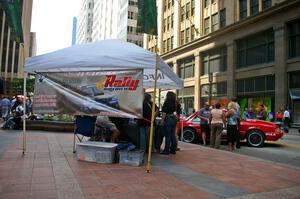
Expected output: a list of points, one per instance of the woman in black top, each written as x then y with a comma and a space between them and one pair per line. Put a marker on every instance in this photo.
169, 120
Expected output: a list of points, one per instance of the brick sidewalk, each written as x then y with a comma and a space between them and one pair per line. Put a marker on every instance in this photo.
50, 170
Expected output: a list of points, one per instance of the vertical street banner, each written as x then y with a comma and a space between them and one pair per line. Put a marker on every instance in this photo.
13, 10
109, 93
147, 17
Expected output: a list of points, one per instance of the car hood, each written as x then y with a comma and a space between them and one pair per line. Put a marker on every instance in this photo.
258, 122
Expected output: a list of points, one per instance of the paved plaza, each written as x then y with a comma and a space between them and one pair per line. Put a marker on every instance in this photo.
49, 169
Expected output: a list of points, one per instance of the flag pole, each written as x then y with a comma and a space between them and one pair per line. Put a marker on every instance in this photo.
153, 107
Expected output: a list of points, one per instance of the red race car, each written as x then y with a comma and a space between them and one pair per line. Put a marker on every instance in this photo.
256, 132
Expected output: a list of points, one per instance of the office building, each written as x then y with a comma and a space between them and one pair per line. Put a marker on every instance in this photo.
224, 48
116, 19
12, 57
85, 22
74, 30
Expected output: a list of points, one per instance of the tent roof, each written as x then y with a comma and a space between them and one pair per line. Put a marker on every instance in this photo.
105, 55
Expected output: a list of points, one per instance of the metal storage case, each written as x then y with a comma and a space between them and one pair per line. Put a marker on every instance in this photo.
100, 152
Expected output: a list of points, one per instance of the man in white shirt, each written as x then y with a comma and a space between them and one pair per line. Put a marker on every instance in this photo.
286, 118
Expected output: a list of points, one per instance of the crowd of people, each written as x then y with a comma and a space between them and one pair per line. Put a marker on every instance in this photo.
12, 111
164, 128
214, 120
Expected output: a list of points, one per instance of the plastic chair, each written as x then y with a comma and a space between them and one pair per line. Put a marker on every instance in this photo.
84, 127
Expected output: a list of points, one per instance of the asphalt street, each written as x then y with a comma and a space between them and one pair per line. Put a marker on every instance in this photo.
284, 151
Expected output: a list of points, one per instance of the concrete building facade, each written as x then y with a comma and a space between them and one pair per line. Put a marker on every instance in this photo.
247, 48
116, 19
85, 22
12, 57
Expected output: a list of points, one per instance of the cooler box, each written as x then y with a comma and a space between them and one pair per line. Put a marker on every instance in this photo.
100, 152
133, 158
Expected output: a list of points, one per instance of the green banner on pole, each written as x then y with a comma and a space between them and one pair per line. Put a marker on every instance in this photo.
12, 9
147, 17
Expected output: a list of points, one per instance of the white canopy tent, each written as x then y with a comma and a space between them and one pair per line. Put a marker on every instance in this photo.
106, 55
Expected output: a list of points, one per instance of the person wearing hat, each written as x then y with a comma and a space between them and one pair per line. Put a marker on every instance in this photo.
145, 122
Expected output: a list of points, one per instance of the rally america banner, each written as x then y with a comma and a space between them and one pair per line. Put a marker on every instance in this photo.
109, 93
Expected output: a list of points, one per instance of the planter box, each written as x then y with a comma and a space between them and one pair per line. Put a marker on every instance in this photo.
46, 125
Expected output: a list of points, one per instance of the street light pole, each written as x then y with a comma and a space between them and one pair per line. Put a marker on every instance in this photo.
210, 79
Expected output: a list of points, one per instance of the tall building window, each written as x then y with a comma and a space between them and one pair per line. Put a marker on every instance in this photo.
165, 5
182, 13
165, 25
130, 15
187, 68
294, 38
266, 4
218, 89
256, 84
223, 18
243, 9
188, 9
172, 20
172, 42
193, 33
206, 25
193, 8
169, 44
214, 60
182, 37
165, 45
188, 35
206, 3
169, 23
169, 3
255, 49
214, 25
253, 7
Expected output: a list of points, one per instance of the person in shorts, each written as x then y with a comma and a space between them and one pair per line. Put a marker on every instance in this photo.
204, 115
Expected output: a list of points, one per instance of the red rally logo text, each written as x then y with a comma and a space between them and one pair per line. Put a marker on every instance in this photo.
123, 84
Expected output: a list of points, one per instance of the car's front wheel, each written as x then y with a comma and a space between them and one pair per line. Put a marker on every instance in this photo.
189, 135
255, 138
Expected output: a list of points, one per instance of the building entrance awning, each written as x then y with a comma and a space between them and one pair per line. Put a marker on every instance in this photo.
295, 93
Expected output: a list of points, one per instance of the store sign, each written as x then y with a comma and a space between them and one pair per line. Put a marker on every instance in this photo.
111, 93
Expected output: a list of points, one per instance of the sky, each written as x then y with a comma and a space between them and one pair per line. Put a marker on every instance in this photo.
52, 20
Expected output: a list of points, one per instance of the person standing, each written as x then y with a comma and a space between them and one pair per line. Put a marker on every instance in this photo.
262, 114
246, 114
217, 120
170, 116
251, 113
204, 115
232, 128
286, 117
279, 115
234, 104
144, 124
5, 107
18, 113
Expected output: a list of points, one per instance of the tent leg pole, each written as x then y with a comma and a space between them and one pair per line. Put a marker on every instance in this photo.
153, 109
24, 114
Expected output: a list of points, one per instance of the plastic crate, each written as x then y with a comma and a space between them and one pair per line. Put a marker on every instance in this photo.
106, 157
100, 152
132, 158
